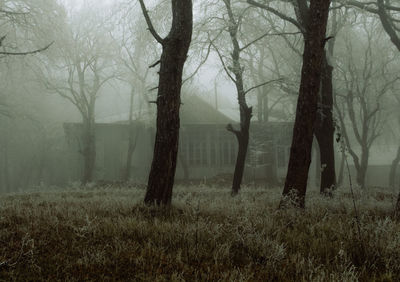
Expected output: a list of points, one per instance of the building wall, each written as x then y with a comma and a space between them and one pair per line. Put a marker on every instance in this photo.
207, 151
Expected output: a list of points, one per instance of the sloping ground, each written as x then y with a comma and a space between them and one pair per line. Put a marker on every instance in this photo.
109, 235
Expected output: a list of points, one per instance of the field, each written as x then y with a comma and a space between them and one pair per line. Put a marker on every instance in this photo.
108, 234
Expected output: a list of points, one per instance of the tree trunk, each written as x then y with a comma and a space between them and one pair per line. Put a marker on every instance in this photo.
393, 169
242, 137
175, 49
300, 153
89, 150
131, 141
362, 168
361, 174
341, 171
325, 131
131, 148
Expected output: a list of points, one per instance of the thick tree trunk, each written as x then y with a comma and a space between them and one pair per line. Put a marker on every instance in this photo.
242, 137
89, 150
393, 169
325, 130
175, 48
300, 153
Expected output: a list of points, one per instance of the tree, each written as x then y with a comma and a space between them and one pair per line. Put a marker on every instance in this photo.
175, 47
81, 65
233, 22
136, 53
367, 75
388, 14
24, 30
324, 126
316, 17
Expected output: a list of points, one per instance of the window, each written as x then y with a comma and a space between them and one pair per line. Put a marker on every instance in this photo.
197, 148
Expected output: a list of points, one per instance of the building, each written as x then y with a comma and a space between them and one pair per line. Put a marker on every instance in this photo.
207, 150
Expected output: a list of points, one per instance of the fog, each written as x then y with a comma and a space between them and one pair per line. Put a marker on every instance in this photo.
84, 60
199, 140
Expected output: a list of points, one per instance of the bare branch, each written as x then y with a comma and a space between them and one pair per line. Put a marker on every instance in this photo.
223, 62
230, 128
262, 84
28, 52
277, 13
204, 60
155, 64
150, 24
267, 34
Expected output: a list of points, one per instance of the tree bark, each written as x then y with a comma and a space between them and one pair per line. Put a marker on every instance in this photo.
89, 150
300, 153
393, 169
174, 52
325, 130
242, 137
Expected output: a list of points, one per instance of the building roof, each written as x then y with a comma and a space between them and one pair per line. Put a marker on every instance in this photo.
194, 110
197, 111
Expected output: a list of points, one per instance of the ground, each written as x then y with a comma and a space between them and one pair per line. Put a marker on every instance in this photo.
108, 234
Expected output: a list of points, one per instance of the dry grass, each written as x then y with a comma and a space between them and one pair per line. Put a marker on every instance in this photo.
108, 234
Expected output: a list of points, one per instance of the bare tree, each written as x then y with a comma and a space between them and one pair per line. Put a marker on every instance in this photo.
234, 69
389, 16
366, 81
77, 72
175, 47
136, 52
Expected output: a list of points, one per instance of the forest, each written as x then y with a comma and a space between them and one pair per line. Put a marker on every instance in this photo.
200, 140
